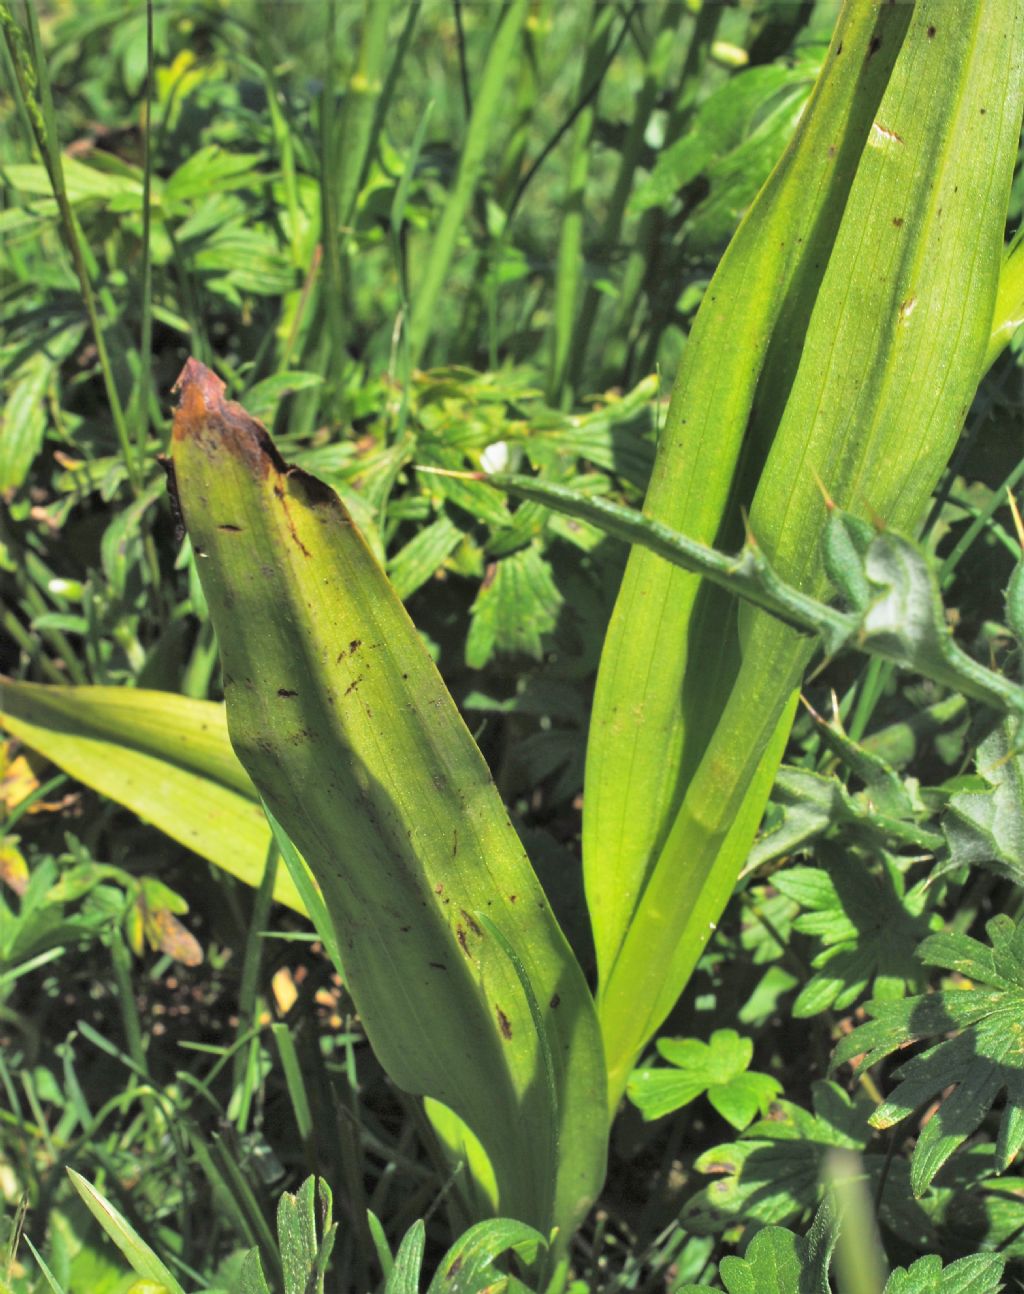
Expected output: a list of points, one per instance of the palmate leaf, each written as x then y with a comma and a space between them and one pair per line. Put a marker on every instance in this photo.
868, 922
773, 1173
983, 1062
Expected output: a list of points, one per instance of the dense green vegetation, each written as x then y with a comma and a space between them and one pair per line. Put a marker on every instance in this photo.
427, 244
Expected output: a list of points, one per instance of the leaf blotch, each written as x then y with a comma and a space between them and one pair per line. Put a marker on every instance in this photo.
286, 691
504, 1024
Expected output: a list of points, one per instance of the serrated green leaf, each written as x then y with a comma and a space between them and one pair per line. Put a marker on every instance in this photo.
987, 827
517, 605
404, 1277
773, 1173
869, 926
976, 1274
421, 558
469, 1265
981, 1063
211, 169
253, 1280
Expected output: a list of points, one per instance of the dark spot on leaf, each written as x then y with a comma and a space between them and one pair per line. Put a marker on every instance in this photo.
512, 898
898, 221
460, 935
874, 45
232, 530
472, 924
285, 691
438, 965
405, 929
555, 1002
353, 685
439, 888
453, 1270
931, 31
839, 49
356, 642
503, 1024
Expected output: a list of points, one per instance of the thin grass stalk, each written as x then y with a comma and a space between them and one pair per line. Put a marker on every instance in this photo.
629, 313
252, 957
629, 160
569, 262
356, 133
331, 284
479, 133
141, 401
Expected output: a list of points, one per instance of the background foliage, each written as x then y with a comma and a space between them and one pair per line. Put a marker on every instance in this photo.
447, 235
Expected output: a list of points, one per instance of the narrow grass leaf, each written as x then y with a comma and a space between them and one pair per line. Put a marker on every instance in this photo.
165, 757
142, 1259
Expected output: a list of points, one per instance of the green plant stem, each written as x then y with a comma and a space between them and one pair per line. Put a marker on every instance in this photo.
570, 237
629, 159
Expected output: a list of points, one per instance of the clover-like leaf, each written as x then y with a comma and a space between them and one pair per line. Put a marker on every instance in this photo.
983, 1061
717, 1068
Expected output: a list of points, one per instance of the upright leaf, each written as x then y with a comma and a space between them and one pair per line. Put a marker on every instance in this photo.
467, 988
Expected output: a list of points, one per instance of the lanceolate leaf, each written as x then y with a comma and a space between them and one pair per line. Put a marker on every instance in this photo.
165, 757
467, 988
888, 366
657, 693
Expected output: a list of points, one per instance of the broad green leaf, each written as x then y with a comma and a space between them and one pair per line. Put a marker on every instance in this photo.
657, 697
980, 1064
888, 364
466, 986
141, 1258
165, 757
718, 1068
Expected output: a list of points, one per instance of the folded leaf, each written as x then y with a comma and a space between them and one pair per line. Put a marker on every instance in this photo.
464, 981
